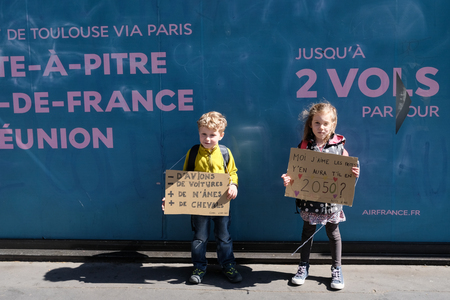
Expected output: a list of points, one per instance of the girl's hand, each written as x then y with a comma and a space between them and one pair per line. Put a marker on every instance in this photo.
232, 192
286, 179
163, 204
355, 171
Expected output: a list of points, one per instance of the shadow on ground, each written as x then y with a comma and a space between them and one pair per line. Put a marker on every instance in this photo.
147, 273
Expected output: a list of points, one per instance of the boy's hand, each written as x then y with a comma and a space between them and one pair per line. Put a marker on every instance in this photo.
163, 203
232, 192
355, 171
286, 179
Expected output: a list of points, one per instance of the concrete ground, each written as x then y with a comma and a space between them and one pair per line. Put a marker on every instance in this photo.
112, 280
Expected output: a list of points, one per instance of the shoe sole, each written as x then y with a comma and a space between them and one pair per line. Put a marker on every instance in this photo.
233, 280
297, 281
195, 280
337, 286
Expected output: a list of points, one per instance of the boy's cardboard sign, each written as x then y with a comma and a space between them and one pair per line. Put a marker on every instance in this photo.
321, 177
196, 193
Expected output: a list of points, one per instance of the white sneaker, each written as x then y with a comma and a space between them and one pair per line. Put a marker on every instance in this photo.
337, 279
301, 275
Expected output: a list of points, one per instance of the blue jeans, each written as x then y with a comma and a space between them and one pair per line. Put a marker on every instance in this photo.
201, 226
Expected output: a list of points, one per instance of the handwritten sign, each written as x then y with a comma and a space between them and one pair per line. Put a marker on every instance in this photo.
197, 193
321, 177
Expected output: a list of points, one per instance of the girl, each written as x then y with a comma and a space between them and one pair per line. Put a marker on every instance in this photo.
319, 135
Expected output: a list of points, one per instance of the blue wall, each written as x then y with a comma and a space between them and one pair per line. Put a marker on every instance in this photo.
83, 158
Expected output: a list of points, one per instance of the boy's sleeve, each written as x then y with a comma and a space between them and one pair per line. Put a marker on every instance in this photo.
232, 170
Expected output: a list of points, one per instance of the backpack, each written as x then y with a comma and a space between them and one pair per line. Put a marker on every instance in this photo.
193, 155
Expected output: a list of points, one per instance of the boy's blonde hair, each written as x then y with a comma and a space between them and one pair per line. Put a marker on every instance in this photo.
213, 120
308, 114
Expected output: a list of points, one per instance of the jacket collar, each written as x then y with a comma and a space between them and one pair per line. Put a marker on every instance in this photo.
335, 139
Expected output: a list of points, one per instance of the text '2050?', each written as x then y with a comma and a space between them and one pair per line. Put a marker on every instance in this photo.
321, 177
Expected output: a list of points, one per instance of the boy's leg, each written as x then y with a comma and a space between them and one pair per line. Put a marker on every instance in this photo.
200, 226
224, 242
225, 253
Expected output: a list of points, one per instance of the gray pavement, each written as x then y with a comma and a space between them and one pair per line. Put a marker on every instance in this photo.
109, 280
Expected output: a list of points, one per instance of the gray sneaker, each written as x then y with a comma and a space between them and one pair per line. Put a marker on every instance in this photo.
337, 279
197, 276
301, 275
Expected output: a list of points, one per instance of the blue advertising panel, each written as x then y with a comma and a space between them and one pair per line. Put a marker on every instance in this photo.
99, 98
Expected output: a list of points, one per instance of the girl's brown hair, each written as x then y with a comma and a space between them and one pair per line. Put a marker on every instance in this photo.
308, 115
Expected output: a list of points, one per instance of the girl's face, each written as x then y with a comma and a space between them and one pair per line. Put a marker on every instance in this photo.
322, 126
209, 138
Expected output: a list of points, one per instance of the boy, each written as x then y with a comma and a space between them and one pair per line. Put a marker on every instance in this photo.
211, 128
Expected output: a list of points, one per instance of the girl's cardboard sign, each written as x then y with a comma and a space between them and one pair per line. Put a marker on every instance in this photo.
196, 193
321, 177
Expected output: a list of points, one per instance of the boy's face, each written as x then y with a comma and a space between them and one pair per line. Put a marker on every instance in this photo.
209, 138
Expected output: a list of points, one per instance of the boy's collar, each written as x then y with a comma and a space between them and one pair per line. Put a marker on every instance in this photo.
214, 148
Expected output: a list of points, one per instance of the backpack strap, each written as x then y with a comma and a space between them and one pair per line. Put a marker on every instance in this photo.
191, 159
193, 154
226, 156
303, 145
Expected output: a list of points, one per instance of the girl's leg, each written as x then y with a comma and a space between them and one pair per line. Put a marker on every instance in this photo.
334, 236
308, 231
303, 267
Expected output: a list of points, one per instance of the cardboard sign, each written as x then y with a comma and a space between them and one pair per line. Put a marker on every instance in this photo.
196, 193
321, 177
